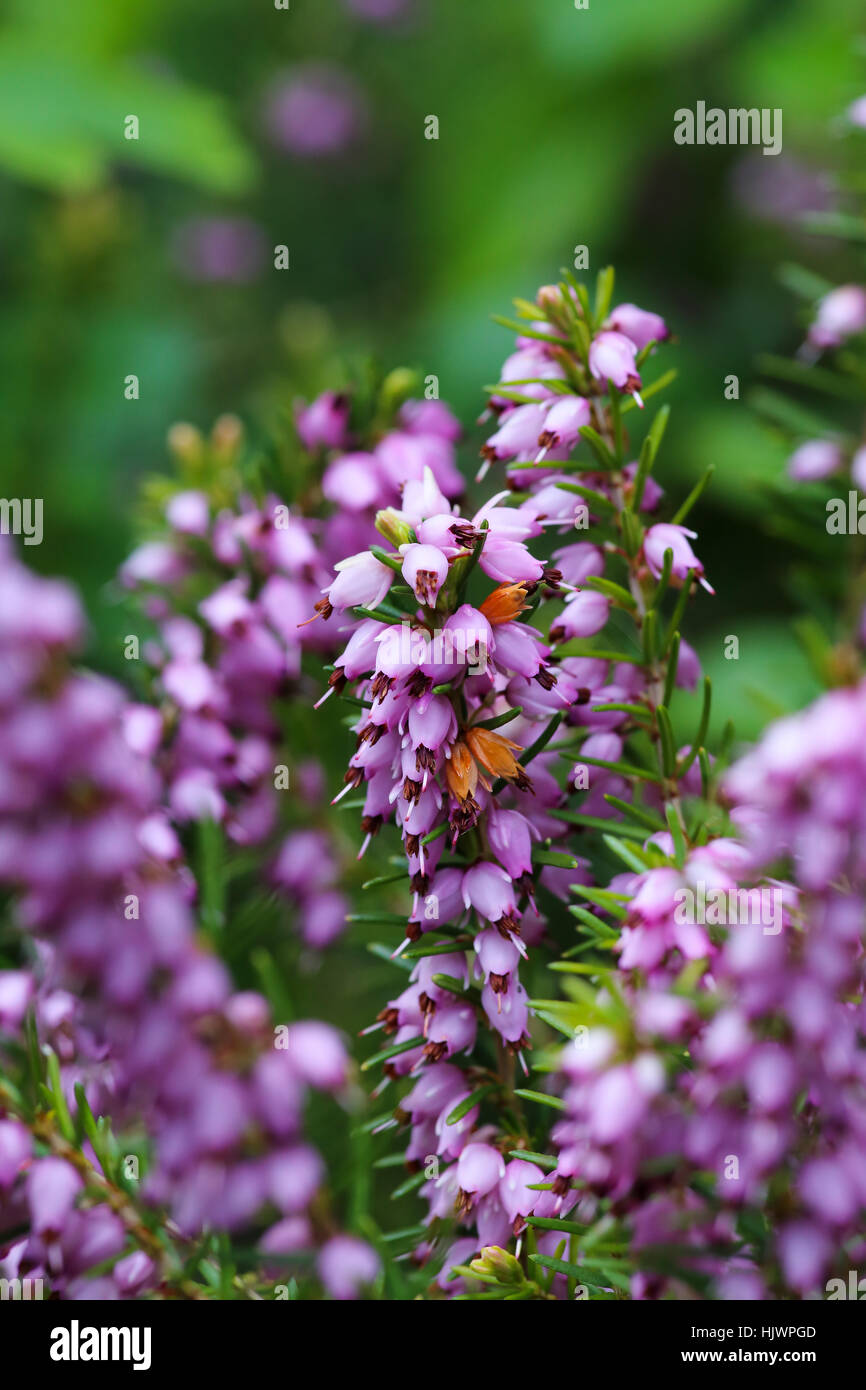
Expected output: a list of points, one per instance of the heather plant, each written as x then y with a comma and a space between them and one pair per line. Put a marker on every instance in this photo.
515, 728
711, 1096
622, 1054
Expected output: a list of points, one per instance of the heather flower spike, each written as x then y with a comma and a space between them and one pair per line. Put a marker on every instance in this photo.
462, 694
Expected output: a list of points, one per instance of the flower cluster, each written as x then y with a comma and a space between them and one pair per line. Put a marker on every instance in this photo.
144, 1020
229, 582
441, 666
718, 1106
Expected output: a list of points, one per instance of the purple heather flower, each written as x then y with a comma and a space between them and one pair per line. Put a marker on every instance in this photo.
15, 1151
803, 1250
134, 1273
315, 112
640, 325
430, 417
666, 536
324, 423
507, 1010
516, 1187
497, 954
479, 1169
579, 562
488, 889
453, 1030
362, 581
510, 837
840, 314
425, 570
155, 562
353, 481
347, 1266
52, 1187
317, 1053
518, 433
564, 421
585, 614
611, 358
294, 1176
817, 458
16, 992
189, 513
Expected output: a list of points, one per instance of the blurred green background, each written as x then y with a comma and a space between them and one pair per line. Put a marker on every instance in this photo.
155, 256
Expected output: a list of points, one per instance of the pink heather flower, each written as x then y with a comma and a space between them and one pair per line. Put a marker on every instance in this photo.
488, 889
189, 513
579, 562
817, 458
510, 837
323, 919
438, 1085
516, 1188
611, 358
470, 635
640, 325
195, 796
142, 729
656, 899
665, 536
317, 1053
16, 991
518, 433
803, 1250
362, 581
453, 1030
827, 1189
431, 723
347, 1266
430, 417
324, 423
583, 615
497, 954
621, 1096
564, 421
460, 1253
293, 1178
425, 570
15, 1150
479, 1169
134, 1273
507, 1010
353, 482
840, 314
403, 455
155, 562
52, 1187
530, 367
228, 610
607, 747
191, 684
